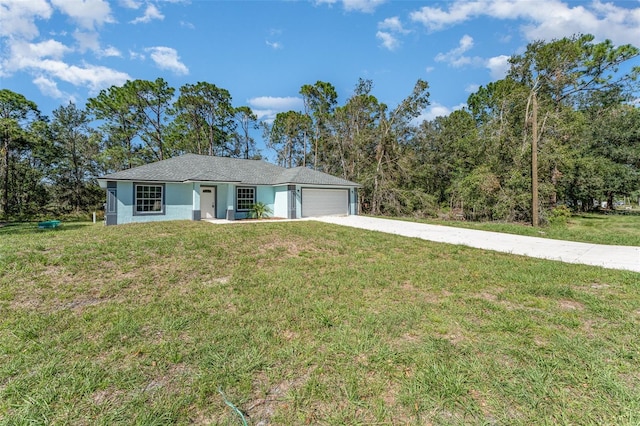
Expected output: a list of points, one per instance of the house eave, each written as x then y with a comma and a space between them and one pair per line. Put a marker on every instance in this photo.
320, 185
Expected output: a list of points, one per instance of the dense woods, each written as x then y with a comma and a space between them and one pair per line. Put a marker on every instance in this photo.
562, 128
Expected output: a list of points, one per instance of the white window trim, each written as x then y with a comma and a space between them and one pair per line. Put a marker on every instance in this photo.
135, 199
253, 200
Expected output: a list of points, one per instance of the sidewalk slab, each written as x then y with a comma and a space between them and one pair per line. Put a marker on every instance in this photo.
607, 256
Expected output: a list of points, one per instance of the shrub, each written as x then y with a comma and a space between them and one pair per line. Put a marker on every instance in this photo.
559, 215
260, 210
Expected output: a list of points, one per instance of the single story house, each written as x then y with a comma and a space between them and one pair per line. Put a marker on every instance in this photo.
196, 187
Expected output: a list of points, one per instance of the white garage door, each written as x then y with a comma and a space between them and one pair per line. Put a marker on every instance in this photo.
324, 202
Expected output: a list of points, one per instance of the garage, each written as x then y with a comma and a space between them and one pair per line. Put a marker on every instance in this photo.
324, 202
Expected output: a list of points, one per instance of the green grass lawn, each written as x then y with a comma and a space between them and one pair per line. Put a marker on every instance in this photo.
595, 228
306, 323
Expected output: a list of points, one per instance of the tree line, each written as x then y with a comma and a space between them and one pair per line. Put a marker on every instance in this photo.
560, 129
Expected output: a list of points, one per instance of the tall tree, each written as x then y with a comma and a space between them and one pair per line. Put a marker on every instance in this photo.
245, 143
287, 135
115, 109
353, 129
394, 131
152, 104
75, 168
206, 113
320, 100
17, 115
559, 72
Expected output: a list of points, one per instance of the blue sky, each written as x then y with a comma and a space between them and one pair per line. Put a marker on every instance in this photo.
262, 52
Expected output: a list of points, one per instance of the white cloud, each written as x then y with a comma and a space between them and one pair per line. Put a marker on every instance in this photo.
17, 17
286, 103
188, 25
388, 40
44, 61
366, 6
498, 66
88, 14
91, 41
23, 54
95, 77
265, 115
436, 110
130, 4
393, 24
167, 58
136, 55
266, 107
274, 44
435, 18
472, 88
49, 88
151, 13
87, 41
545, 19
86, 75
389, 29
455, 57
110, 51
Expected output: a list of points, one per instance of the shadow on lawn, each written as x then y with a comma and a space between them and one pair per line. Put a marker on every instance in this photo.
591, 217
26, 228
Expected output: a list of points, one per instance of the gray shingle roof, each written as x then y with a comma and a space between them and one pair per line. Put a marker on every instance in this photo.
204, 168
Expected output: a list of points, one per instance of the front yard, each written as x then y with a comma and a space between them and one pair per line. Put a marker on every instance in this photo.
305, 323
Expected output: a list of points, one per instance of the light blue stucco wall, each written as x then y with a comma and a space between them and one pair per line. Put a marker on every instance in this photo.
178, 203
281, 196
221, 205
222, 190
196, 196
226, 198
183, 199
264, 194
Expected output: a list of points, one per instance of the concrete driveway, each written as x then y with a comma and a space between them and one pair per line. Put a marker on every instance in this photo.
612, 257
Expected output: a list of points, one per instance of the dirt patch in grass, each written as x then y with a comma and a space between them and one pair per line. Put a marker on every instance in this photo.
289, 335
408, 338
570, 305
170, 381
589, 328
482, 402
455, 335
424, 294
107, 396
221, 280
490, 297
264, 406
290, 247
79, 305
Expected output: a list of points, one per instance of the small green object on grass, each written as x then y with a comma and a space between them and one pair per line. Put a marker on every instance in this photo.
230, 404
49, 224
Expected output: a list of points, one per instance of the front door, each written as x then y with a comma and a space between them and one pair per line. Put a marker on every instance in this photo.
208, 202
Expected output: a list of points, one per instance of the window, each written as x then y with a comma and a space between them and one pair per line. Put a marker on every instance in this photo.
245, 198
149, 199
